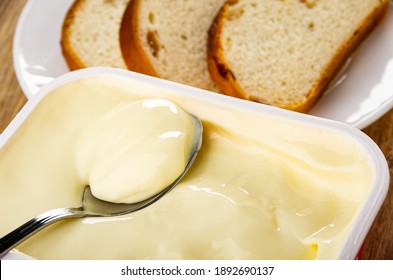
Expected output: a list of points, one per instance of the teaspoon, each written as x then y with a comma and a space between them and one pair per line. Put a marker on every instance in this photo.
92, 206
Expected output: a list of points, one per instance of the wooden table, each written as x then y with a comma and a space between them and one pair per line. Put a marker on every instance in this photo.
379, 242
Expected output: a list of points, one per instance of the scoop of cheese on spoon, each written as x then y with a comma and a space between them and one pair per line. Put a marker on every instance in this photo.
135, 150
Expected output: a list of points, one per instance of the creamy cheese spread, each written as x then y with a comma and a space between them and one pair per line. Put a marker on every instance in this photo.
134, 150
260, 188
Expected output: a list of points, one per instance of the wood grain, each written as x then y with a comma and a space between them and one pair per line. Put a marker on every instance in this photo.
11, 96
379, 242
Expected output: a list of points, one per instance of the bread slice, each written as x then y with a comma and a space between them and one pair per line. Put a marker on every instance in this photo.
90, 34
285, 52
168, 39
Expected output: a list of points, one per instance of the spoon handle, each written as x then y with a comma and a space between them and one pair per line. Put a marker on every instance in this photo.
23, 232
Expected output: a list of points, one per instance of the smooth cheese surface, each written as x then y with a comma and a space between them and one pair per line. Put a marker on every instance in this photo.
260, 188
135, 150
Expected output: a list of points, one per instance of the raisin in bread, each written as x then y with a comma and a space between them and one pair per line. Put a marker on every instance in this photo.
285, 52
168, 39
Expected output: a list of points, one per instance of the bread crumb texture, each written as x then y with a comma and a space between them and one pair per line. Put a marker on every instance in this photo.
280, 51
91, 32
174, 37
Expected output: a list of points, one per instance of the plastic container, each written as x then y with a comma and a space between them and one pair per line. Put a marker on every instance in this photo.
219, 104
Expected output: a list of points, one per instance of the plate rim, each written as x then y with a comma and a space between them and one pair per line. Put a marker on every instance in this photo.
361, 122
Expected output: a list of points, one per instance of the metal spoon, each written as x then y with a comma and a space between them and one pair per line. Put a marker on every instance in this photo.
92, 206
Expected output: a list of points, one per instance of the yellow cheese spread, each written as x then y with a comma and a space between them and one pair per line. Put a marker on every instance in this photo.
135, 150
260, 188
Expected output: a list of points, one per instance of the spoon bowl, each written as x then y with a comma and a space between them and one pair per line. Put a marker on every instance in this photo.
94, 207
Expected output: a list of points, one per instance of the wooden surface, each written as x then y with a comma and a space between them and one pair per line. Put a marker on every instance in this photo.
379, 242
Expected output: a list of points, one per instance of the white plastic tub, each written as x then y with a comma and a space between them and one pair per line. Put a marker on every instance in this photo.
211, 107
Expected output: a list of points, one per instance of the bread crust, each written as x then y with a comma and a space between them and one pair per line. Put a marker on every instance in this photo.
216, 63
81, 34
225, 78
133, 53
69, 54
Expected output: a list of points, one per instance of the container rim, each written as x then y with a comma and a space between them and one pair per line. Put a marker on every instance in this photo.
365, 215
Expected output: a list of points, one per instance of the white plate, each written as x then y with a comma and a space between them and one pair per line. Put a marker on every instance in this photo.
363, 93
